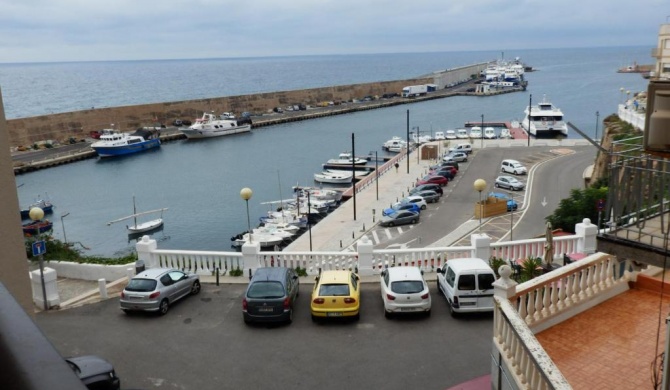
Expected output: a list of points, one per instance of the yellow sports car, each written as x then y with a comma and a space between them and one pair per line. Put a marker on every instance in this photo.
336, 294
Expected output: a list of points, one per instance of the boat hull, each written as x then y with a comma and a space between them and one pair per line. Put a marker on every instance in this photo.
145, 226
112, 151
192, 133
35, 228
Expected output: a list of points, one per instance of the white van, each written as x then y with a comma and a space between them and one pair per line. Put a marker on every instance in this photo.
462, 134
465, 148
467, 284
439, 135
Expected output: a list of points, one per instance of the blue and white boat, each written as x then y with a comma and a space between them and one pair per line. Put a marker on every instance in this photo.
114, 143
45, 205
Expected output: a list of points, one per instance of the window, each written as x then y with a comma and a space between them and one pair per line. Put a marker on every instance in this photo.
335, 290
166, 280
451, 277
486, 281
466, 282
265, 290
386, 278
407, 287
176, 276
354, 281
141, 285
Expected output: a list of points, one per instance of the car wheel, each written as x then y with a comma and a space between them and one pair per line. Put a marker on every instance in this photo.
496, 185
247, 321
164, 307
413, 221
391, 224
128, 312
314, 319
387, 314
452, 311
427, 313
195, 288
290, 316
423, 207
357, 317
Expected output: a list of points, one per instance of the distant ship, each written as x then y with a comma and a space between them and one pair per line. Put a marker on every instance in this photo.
544, 120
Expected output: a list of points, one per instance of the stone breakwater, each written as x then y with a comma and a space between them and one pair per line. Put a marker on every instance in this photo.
78, 124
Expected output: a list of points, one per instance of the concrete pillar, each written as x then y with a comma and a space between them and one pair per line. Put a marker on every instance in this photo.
364, 248
102, 286
482, 244
53, 298
504, 287
250, 252
145, 248
587, 233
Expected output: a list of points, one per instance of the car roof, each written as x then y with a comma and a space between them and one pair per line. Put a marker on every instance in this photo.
404, 273
274, 274
335, 276
468, 263
154, 273
412, 197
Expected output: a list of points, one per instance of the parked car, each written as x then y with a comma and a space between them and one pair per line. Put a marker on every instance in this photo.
441, 180
458, 156
511, 203
404, 290
271, 295
336, 294
429, 196
399, 218
94, 372
467, 284
423, 187
157, 288
509, 182
512, 166
465, 148
446, 172
445, 163
490, 133
401, 206
417, 200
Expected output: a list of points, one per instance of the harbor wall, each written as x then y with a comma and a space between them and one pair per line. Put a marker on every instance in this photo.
78, 124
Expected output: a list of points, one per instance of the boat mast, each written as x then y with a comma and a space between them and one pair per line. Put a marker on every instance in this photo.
134, 212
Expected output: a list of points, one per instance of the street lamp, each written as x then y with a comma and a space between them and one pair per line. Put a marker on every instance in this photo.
481, 133
480, 185
245, 194
36, 214
627, 98
63, 225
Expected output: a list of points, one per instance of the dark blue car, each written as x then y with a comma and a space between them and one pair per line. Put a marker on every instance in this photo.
511, 203
402, 206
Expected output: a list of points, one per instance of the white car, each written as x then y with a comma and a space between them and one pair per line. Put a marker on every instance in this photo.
404, 290
489, 133
457, 156
418, 200
476, 132
512, 166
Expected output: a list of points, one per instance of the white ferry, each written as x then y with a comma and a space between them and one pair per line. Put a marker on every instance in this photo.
544, 120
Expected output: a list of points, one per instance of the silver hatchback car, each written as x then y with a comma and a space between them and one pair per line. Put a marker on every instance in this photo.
157, 288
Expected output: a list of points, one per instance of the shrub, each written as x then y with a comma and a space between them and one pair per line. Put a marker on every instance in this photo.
531, 268
301, 271
236, 271
495, 263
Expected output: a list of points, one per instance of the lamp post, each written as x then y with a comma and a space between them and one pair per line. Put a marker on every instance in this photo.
627, 99
530, 108
407, 145
246, 194
597, 121
511, 219
36, 214
481, 133
309, 223
480, 185
418, 144
63, 225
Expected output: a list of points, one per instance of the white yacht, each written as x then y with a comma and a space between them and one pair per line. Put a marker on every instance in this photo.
395, 144
212, 126
544, 120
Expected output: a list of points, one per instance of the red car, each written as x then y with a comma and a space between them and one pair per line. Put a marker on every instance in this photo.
441, 180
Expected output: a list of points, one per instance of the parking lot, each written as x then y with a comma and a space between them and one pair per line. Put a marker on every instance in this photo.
202, 343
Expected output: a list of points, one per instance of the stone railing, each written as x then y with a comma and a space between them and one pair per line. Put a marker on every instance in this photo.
635, 117
365, 259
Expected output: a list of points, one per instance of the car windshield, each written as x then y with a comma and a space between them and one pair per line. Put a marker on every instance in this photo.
265, 290
407, 287
141, 285
334, 290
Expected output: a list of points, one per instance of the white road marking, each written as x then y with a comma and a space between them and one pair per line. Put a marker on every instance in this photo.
375, 237
388, 234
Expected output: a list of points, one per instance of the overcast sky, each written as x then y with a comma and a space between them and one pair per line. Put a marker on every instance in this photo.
82, 30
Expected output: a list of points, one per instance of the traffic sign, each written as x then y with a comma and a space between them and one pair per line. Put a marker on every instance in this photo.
39, 248
600, 205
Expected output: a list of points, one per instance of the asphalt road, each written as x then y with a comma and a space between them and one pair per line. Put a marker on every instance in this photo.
202, 343
551, 180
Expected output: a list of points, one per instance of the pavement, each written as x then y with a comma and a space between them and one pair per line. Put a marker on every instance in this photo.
338, 231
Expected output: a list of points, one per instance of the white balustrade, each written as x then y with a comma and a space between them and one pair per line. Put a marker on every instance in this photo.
200, 262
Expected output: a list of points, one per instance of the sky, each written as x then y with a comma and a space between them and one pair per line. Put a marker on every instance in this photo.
103, 30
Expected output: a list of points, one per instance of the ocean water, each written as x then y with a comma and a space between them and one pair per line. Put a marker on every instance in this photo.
200, 181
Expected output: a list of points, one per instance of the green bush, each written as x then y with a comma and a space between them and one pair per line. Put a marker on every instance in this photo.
531, 268
301, 271
495, 263
57, 250
236, 272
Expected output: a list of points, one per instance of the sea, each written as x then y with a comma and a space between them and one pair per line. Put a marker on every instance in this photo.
200, 181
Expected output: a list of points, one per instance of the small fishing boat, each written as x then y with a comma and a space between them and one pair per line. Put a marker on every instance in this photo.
38, 227
141, 227
334, 177
45, 205
346, 159
114, 143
